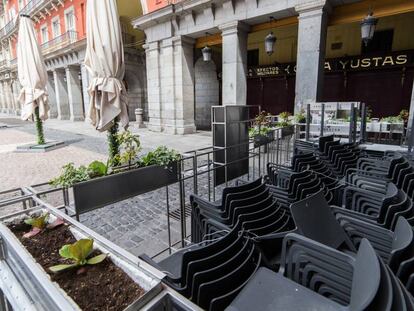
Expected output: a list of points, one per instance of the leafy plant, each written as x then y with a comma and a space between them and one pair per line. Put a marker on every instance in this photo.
300, 117
39, 128
283, 119
97, 169
259, 131
70, 175
129, 146
40, 223
262, 119
78, 253
161, 156
392, 119
404, 115
113, 143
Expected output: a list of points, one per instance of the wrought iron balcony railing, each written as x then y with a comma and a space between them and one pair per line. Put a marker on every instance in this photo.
62, 41
31, 5
8, 28
3, 63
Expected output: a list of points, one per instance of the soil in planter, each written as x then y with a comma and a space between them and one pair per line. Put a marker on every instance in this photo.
100, 287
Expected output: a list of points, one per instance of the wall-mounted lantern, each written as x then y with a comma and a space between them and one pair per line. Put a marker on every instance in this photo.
206, 53
270, 41
368, 26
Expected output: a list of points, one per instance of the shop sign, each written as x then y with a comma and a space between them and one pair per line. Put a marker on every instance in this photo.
391, 60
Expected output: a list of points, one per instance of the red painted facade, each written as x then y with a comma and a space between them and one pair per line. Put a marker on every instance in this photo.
79, 8
153, 5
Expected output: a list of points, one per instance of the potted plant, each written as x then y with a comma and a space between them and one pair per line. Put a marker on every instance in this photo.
300, 118
285, 123
133, 177
58, 267
261, 132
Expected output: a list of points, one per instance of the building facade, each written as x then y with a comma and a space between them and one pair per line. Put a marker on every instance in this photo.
318, 56
61, 29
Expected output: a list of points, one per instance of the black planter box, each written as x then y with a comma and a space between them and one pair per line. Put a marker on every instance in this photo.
288, 130
99, 192
260, 140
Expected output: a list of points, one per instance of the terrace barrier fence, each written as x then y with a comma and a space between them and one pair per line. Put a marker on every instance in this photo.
196, 172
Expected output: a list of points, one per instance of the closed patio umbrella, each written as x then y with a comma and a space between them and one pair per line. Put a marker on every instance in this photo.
105, 61
32, 76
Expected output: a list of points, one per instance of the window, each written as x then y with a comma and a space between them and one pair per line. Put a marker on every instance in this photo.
56, 27
70, 19
44, 34
21, 4
253, 57
381, 42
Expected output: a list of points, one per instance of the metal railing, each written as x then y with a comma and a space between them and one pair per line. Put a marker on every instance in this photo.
7, 29
59, 42
196, 176
4, 63
32, 5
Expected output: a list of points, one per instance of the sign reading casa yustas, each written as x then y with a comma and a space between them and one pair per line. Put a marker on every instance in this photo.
400, 59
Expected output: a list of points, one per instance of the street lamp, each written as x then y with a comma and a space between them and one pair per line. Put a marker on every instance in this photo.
368, 28
206, 53
270, 41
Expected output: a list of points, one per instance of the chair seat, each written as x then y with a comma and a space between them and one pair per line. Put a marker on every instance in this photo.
270, 291
173, 263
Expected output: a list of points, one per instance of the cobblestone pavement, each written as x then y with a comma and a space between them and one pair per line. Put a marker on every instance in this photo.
138, 224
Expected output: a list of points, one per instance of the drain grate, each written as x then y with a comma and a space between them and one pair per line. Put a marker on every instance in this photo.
175, 213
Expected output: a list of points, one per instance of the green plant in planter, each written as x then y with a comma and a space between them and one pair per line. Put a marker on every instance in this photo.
259, 131
300, 117
40, 224
129, 147
161, 156
97, 169
261, 125
70, 175
404, 115
78, 253
392, 119
284, 119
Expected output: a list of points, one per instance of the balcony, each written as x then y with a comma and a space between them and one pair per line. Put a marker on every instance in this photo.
31, 6
60, 42
4, 65
8, 29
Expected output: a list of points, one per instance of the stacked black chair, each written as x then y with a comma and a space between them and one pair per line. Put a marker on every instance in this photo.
316, 277
212, 275
255, 211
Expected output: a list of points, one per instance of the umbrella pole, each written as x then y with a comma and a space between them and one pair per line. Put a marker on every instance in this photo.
113, 144
39, 128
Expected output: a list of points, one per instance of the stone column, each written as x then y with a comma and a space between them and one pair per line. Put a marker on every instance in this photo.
9, 96
50, 87
62, 101
179, 118
311, 52
74, 93
152, 54
2, 99
15, 94
234, 83
85, 86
